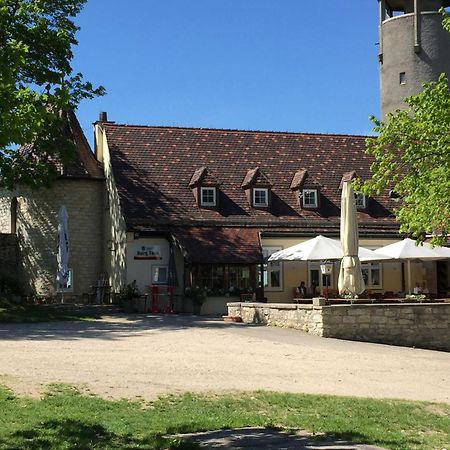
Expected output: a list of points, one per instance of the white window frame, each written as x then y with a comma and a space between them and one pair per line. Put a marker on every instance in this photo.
157, 268
208, 188
266, 193
362, 201
316, 197
270, 267
368, 266
68, 286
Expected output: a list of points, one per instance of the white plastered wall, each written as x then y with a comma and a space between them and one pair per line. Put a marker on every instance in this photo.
114, 223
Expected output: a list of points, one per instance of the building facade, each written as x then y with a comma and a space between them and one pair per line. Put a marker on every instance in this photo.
204, 208
222, 201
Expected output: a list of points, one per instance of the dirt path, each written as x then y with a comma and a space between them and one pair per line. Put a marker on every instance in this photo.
146, 356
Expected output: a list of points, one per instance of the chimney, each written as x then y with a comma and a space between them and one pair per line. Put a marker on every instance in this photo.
103, 116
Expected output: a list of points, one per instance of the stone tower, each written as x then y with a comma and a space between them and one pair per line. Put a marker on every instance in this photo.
413, 48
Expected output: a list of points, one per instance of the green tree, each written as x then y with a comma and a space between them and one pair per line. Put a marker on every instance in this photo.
446, 19
412, 157
36, 83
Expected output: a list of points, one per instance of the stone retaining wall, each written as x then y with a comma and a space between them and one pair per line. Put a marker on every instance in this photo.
408, 324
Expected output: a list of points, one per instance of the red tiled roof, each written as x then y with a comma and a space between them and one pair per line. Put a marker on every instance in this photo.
204, 177
197, 177
255, 177
84, 164
210, 245
298, 179
153, 167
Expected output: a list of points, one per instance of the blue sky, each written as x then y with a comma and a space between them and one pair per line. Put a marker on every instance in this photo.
292, 65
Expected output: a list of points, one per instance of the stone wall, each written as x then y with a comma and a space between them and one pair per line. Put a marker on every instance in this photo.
307, 318
413, 325
5, 213
8, 255
408, 324
36, 233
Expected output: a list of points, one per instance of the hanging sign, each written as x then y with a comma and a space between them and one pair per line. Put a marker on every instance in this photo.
148, 252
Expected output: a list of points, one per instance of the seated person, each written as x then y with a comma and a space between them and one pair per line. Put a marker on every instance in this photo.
301, 290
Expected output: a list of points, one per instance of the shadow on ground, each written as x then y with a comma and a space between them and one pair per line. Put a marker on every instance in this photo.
59, 434
272, 439
113, 327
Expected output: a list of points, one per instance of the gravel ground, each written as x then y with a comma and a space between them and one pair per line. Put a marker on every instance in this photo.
128, 356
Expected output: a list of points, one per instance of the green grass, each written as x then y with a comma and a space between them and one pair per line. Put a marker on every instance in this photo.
11, 312
65, 419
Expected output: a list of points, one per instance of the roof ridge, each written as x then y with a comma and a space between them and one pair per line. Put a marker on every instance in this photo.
206, 129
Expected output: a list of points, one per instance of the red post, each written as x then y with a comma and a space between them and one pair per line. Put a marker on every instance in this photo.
155, 292
170, 309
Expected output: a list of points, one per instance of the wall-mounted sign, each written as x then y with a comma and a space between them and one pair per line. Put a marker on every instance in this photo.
148, 252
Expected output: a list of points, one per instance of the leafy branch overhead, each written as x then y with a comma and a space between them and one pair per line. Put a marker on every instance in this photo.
36, 83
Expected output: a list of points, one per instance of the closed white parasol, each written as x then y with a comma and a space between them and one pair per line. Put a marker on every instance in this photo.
63, 247
350, 280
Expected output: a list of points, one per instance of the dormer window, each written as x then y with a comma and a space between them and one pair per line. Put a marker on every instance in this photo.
360, 201
205, 188
260, 197
257, 188
208, 196
310, 198
307, 189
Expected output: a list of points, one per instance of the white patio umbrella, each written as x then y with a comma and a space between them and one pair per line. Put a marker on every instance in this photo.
407, 250
63, 248
321, 248
350, 275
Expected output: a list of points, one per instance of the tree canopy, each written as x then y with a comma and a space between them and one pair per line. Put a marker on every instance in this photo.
36, 83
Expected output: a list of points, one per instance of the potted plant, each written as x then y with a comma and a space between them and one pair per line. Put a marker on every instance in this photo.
128, 295
198, 296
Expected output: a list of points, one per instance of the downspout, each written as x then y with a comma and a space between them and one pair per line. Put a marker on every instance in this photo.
261, 267
417, 46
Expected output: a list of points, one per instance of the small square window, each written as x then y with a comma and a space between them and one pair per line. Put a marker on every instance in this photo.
402, 77
208, 196
261, 197
310, 198
360, 201
160, 274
